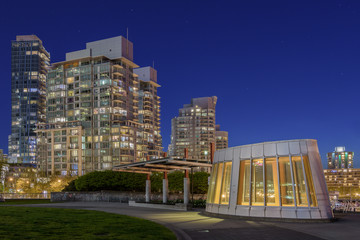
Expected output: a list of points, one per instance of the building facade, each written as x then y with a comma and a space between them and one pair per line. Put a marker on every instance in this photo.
194, 129
93, 111
29, 65
340, 159
149, 110
222, 138
282, 179
344, 181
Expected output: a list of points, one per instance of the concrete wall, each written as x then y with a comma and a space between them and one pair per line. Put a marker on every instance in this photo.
110, 196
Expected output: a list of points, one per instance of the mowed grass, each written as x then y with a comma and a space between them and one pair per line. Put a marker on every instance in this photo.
55, 223
24, 201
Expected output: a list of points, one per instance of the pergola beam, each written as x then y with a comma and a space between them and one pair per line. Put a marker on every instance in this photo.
147, 169
187, 163
132, 171
167, 166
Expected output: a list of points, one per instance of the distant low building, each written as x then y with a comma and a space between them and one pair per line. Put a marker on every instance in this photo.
340, 159
344, 181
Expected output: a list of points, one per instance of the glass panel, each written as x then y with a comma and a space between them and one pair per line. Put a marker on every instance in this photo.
286, 191
272, 183
257, 187
300, 189
212, 184
312, 197
218, 183
244, 183
225, 189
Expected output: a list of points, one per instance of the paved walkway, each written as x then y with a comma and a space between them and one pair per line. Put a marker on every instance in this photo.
194, 225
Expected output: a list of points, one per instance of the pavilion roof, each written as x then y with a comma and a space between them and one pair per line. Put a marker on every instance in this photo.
161, 165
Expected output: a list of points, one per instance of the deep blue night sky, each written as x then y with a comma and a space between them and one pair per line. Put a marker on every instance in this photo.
280, 69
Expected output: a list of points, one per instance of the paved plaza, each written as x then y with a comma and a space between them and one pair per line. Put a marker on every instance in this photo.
194, 225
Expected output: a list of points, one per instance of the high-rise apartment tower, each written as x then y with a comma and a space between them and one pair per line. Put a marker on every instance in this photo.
149, 110
194, 129
100, 112
29, 64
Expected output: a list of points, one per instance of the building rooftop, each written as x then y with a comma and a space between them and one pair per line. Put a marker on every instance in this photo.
27, 38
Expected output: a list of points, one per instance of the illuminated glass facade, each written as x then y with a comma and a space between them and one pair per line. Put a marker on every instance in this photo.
29, 63
275, 179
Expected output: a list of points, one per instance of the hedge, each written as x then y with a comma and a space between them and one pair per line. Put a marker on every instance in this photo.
122, 181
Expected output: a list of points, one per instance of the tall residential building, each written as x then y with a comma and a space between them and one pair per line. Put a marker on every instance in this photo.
340, 159
149, 110
95, 117
194, 129
221, 138
29, 64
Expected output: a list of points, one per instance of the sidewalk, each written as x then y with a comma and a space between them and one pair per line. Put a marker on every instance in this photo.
193, 225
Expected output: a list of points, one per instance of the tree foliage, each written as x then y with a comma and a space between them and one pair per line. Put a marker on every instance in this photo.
33, 184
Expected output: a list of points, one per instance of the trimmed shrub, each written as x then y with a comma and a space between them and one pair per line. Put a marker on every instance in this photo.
123, 181
110, 180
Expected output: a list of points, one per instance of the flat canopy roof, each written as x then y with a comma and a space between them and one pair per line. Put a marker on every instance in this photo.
161, 165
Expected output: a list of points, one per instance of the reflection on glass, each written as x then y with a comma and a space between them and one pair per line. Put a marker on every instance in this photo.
218, 183
225, 189
257, 187
244, 183
312, 198
272, 184
212, 184
300, 189
286, 191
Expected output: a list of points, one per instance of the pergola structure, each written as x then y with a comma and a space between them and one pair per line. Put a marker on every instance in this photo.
165, 165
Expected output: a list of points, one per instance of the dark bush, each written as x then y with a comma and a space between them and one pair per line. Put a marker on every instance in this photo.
200, 203
70, 187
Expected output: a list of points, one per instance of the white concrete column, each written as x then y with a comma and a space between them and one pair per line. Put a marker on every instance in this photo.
165, 190
186, 190
147, 190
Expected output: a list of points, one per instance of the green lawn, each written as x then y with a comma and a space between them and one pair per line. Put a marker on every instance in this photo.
50, 223
24, 201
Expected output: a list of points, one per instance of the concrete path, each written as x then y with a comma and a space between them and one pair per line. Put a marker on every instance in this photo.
194, 225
